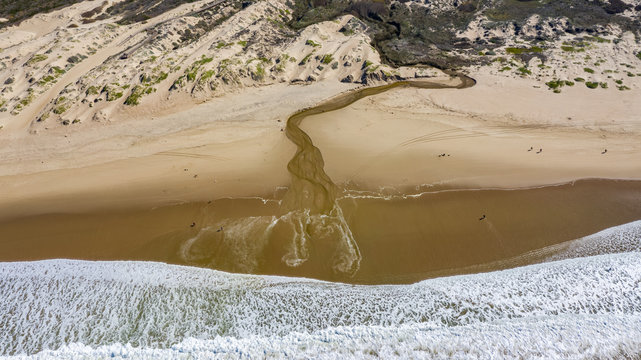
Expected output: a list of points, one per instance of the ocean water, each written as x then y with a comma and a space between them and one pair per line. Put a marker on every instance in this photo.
585, 302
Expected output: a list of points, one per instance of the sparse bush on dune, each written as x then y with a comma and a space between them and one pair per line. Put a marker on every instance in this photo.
519, 51
428, 31
91, 90
305, 59
312, 43
568, 48
74, 59
37, 58
134, 98
401, 32
112, 92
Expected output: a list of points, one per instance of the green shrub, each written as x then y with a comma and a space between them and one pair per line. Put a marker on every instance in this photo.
204, 60
37, 58
568, 48
519, 51
312, 43
26, 101
305, 59
58, 71
554, 84
58, 110
74, 59
161, 77
260, 72
327, 59
588, 70
45, 79
134, 98
597, 39
206, 76
113, 94
524, 71
603, 85
92, 90
579, 79
592, 85
179, 82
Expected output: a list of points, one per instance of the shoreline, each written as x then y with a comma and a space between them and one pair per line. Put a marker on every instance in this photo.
518, 222
165, 205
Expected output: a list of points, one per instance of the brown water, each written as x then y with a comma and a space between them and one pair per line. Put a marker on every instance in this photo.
399, 239
316, 230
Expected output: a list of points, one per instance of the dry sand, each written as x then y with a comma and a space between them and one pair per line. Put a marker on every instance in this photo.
485, 132
231, 146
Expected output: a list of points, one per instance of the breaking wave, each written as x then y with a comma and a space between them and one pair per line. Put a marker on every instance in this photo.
574, 308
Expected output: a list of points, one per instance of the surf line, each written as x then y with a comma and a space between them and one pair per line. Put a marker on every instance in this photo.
312, 194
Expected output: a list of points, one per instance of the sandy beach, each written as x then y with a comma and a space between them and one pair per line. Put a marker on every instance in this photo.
395, 138
234, 146
320, 179
153, 193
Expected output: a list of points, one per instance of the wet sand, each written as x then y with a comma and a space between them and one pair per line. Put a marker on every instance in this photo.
401, 239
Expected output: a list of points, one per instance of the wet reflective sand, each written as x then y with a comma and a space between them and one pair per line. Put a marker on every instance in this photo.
399, 239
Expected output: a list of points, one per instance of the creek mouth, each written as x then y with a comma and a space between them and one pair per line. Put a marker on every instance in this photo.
316, 229
310, 218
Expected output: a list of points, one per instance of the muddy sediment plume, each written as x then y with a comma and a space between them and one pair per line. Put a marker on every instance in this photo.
310, 222
401, 239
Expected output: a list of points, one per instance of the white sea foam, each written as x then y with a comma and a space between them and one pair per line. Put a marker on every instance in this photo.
560, 337
614, 240
587, 307
237, 244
